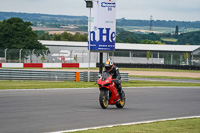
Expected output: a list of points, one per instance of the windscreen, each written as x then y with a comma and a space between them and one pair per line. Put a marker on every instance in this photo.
105, 75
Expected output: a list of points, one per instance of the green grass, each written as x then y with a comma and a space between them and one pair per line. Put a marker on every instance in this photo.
43, 84
164, 77
169, 39
173, 126
72, 84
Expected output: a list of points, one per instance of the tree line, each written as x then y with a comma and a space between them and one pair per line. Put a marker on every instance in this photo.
42, 35
59, 20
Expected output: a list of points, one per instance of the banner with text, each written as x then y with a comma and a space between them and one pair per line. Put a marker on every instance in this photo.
103, 25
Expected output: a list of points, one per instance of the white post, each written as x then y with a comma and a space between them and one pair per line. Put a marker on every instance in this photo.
46, 55
192, 59
71, 55
181, 59
158, 57
83, 55
20, 55
130, 56
171, 59
5, 54
32, 55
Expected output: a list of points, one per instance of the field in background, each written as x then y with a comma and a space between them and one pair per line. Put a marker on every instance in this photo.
145, 29
169, 39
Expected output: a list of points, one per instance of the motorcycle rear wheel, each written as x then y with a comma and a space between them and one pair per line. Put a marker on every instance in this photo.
122, 102
102, 99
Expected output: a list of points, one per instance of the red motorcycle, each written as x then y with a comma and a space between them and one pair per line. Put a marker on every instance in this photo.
108, 92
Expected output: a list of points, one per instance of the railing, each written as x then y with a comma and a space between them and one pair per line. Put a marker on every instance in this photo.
19, 74
14, 74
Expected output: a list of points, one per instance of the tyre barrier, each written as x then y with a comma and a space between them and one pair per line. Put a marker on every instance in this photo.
160, 66
19, 74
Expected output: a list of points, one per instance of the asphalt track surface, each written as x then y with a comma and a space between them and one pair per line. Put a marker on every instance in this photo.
38, 111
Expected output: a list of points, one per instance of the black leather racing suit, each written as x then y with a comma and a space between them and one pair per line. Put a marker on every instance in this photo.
116, 75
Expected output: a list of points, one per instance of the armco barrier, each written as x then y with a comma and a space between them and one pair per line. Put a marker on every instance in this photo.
21, 74
15, 74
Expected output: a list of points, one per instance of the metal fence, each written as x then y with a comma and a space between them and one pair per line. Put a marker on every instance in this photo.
18, 74
80, 55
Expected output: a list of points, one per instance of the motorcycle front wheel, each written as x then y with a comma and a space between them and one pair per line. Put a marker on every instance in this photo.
102, 99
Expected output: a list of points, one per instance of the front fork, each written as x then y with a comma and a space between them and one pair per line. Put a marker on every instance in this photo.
107, 94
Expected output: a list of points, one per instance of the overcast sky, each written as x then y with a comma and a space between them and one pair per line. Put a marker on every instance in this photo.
182, 10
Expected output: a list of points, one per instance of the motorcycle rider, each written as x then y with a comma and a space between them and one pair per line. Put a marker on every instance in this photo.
114, 71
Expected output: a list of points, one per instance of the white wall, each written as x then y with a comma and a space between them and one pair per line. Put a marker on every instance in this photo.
13, 65
85, 65
52, 65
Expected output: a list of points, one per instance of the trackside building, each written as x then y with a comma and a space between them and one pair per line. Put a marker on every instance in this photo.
77, 52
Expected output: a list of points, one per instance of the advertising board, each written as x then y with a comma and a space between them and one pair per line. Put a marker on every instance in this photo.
103, 25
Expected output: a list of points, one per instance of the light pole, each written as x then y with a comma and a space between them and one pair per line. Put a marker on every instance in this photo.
20, 54
5, 54
89, 4
83, 55
47, 55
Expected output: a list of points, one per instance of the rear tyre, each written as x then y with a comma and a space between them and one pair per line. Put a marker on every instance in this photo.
102, 99
121, 103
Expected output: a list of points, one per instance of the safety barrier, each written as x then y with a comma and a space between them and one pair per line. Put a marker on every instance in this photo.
46, 65
19, 74
15, 74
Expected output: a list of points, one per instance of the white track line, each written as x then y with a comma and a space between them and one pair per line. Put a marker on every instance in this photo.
125, 124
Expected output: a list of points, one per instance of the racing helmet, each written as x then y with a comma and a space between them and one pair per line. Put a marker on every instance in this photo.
108, 66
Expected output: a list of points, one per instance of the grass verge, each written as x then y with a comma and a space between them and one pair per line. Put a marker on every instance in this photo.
172, 126
164, 77
72, 84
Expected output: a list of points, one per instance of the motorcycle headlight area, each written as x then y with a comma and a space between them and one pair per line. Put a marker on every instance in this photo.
106, 84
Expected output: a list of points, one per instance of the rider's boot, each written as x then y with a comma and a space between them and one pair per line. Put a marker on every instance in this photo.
120, 92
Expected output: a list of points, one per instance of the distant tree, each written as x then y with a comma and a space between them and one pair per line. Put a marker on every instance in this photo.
148, 55
56, 37
69, 37
151, 42
17, 34
192, 38
76, 58
42, 35
176, 32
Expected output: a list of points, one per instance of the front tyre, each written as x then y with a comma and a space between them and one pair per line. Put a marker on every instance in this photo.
102, 99
121, 103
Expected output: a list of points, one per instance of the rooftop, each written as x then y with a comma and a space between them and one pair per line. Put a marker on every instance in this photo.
129, 46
